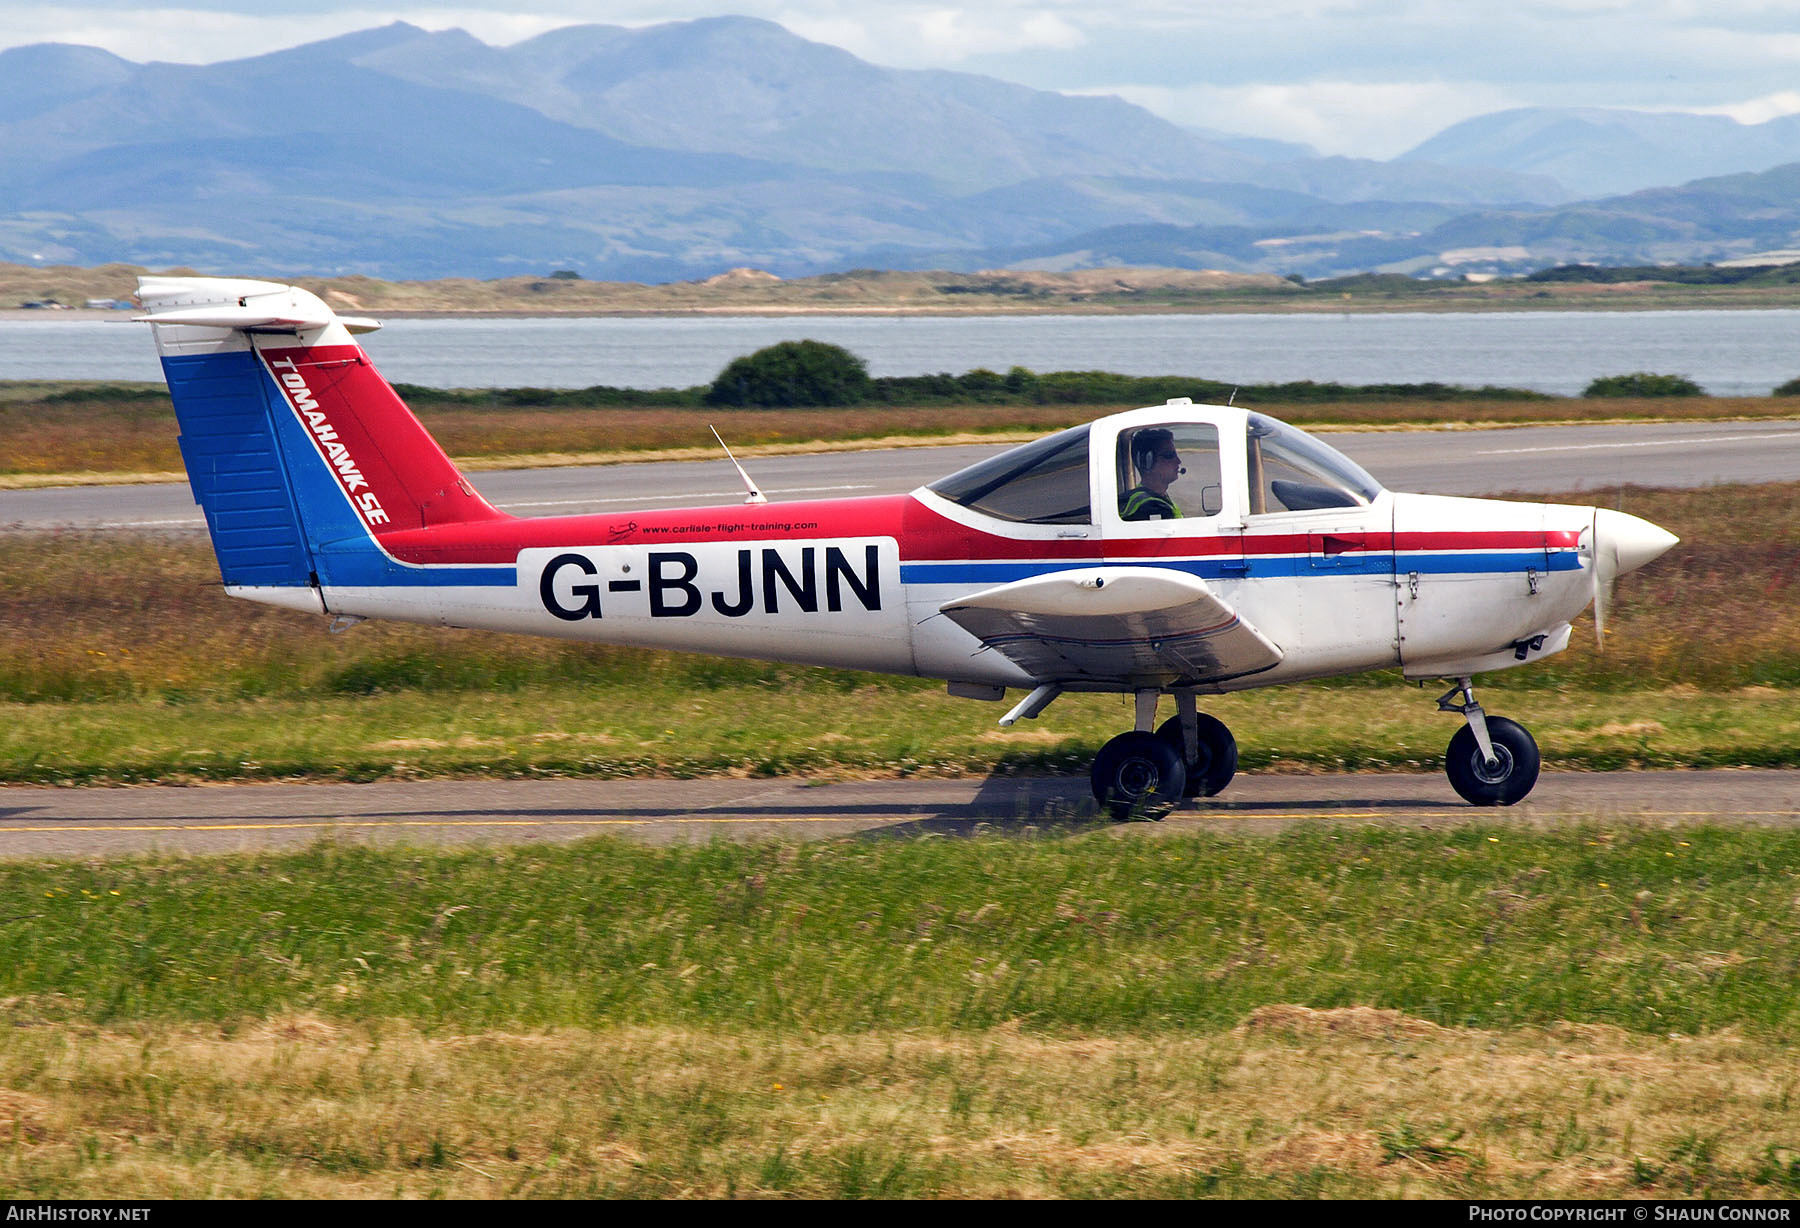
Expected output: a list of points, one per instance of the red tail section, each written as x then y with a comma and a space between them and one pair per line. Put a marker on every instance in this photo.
393, 472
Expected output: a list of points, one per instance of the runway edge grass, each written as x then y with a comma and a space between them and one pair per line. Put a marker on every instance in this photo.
1489, 1011
1057, 929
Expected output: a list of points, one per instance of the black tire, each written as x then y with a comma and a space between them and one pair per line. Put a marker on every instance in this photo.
1207, 775
1138, 776
1511, 777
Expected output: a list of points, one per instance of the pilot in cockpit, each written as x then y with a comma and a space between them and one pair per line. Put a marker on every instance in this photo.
1154, 456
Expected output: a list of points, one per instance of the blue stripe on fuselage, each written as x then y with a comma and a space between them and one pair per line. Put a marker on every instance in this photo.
1487, 564
1248, 567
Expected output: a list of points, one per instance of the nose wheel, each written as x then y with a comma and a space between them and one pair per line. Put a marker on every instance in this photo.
1491, 761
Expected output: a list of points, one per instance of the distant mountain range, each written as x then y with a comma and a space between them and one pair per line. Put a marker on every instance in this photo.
677, 151
1594, 152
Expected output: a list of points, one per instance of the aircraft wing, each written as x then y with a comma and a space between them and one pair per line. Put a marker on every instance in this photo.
1153, 625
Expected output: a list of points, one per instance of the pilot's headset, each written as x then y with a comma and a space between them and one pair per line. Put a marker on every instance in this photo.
1145, 443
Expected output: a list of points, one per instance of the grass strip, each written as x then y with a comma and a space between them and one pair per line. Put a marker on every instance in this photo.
788, 722
1089, 929
1295, 1102
1487, 1011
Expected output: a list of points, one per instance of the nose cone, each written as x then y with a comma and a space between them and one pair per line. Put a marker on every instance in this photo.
1628, 542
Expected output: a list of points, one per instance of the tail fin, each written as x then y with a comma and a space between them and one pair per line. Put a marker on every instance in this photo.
299, 452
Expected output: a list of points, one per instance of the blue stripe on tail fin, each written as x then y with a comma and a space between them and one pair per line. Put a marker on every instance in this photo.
236, 469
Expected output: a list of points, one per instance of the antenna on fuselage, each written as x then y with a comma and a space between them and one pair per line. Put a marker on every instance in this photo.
755, 495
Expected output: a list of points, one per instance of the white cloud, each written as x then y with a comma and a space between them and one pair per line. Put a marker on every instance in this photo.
926, 36
1759, 110
192, 36
1335, 117
957, 34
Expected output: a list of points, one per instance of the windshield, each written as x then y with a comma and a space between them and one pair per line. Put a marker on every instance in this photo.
1290, 471
1043, 482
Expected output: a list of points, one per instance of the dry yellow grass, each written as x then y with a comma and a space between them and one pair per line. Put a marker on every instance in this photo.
50, 443
1296, 1101
741, 291
750, 291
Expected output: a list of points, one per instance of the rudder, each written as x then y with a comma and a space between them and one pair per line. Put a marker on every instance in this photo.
235, 470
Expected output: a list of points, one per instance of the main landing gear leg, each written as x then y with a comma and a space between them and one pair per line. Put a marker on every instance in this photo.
1208, 750
1143, 775
1491, 761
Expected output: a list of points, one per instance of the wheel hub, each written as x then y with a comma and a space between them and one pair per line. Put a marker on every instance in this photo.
1496, 771
1137, 778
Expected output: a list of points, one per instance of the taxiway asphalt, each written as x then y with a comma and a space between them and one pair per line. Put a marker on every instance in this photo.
59, 823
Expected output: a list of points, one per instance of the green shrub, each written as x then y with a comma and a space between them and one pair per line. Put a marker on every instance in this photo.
791, 374
1643, 384
1789, 389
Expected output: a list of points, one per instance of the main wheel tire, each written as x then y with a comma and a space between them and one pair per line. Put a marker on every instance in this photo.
1508, 779
1138, 775
1208, 774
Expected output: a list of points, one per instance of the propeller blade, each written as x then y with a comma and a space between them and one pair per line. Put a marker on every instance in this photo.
1602, 599
1618, 543
1600, 578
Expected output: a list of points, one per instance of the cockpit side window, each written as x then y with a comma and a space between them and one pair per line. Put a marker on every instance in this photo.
1043, 482
1290, 471
1169, 472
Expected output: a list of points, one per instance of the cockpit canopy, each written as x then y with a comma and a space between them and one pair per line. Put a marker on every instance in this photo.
1179, 461
1042, 482
1288, 470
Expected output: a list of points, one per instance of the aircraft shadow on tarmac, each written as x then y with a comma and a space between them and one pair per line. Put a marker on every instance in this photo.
1057, 804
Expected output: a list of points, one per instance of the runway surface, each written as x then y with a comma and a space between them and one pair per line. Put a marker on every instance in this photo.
1466, 462
85, 823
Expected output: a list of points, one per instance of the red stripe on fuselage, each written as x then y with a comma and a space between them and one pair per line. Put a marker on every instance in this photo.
500, 542
923, 535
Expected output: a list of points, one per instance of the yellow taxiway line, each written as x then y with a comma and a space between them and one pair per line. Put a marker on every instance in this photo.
134, 825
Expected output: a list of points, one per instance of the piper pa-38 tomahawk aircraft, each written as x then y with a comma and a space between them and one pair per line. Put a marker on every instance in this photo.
1180, 550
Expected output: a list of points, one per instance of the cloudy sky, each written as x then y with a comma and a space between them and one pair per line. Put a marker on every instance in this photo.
1369, 78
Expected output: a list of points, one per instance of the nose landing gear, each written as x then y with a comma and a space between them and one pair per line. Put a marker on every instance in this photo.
1491, 761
